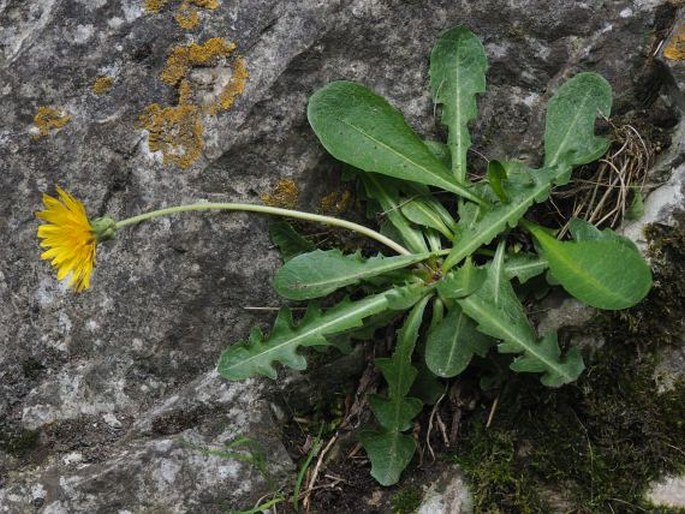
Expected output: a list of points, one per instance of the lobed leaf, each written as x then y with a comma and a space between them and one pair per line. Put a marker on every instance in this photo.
318, 273
390, 452
457, 74
361, 128
398, 370
499, 314
395, 413
524, 266
258, 355
525, 187
462, 282
288, 241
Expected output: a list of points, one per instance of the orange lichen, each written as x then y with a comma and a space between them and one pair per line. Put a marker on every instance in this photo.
235, 86
675, 49
187, 17
335, 202
182, 58
184, 92
155, 6
175, 131
285, 194
102, 85
206, 4
48, 118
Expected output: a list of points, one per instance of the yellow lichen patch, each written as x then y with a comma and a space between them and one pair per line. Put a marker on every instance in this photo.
102, 85
212, 85
675, 49
155, 5
206, 4
175, 131
182, 58
48, 118
335, 202
285, 194
187, 17
235, 86
184, 92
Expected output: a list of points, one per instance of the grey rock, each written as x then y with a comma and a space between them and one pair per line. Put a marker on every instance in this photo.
168, 296
669, 492
449, 494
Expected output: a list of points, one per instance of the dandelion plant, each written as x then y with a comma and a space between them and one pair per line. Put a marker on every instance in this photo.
447, 272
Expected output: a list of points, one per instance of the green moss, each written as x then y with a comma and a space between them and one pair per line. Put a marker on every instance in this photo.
407, 500
16, 440
596, 445
499, 483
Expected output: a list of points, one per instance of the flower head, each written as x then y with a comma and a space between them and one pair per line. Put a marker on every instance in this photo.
69, 238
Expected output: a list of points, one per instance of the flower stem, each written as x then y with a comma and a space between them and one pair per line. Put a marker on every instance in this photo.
264, 209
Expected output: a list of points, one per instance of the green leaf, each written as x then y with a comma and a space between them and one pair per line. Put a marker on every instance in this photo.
526, 187
582, 230
499, 314
386, 193
450, 346
318, 273
288, 241
423, 212
496, 176
258, 355
395, 415
547, 350
390, 452
605, 272
387, 449
462, 282
423, 193
398, 370
524, 266
361, 128
570, 123
636, 209
457, 74
440, 150
426, 387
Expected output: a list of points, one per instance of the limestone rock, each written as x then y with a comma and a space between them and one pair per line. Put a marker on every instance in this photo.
108, 397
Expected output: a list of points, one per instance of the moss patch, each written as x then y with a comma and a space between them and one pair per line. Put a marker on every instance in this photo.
17, 440
407, 500
593, 446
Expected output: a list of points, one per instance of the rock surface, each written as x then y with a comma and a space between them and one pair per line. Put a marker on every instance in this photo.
108, 401
447, 495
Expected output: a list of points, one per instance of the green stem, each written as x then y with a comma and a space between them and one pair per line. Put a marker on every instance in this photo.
264, 209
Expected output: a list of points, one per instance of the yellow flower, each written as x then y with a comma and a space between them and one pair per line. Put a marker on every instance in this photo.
69, 238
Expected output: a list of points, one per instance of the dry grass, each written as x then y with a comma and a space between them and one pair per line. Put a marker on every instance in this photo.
602, 194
